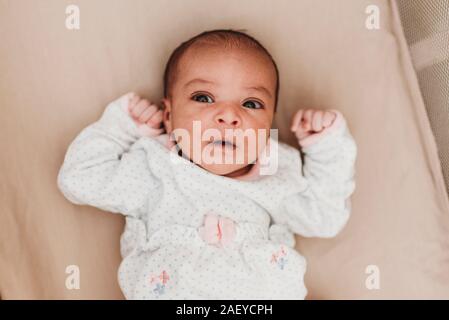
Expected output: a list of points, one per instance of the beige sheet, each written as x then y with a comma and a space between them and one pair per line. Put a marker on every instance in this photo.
54, 82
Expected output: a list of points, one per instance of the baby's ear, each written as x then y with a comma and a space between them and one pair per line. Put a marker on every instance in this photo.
166, 119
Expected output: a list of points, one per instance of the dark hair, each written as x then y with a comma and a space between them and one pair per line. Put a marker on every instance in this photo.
226, 37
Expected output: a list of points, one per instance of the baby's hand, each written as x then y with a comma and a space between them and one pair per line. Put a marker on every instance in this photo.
307, 122
146, 115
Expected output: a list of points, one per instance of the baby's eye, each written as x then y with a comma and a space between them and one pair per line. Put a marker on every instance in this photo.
203, 98
252, 104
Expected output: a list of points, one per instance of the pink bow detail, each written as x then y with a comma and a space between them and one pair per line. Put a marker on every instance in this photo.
217, 230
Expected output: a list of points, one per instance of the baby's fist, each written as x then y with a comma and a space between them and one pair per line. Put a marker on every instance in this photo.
146, 115
144, 112
307, 122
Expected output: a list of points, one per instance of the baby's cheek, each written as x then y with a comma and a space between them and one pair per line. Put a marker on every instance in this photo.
254, 145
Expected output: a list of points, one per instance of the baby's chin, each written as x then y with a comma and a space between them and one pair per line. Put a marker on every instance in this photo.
226, 169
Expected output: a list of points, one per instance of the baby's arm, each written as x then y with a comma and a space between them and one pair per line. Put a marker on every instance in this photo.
104, 168
323, 208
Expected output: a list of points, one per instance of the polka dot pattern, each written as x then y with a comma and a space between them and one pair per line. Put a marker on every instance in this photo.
112, 167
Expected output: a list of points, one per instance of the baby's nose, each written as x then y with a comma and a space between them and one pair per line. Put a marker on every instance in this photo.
228, 116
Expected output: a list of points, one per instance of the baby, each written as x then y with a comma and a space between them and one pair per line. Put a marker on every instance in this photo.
197, 227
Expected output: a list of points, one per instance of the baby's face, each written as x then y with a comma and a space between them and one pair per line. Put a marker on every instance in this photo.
227, 92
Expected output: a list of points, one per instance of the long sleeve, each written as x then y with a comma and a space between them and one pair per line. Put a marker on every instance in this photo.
323, 208
104, 166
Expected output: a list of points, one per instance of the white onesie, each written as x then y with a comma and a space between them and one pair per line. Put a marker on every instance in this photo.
112, 166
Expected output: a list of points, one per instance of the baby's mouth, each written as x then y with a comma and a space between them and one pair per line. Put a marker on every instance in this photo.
223, 143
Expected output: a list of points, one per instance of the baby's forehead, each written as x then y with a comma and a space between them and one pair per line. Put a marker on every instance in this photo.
237, 67
201, 50
215, 54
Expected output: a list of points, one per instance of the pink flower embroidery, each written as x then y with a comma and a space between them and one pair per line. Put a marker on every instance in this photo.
279, 258
217, 230
164, 277
160, 282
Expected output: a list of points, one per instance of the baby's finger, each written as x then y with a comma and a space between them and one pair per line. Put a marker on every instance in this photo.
297, 120
300, 134
307, 120
156, 119
148, 113
317, 120
140, 108
328, 118
133, 102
